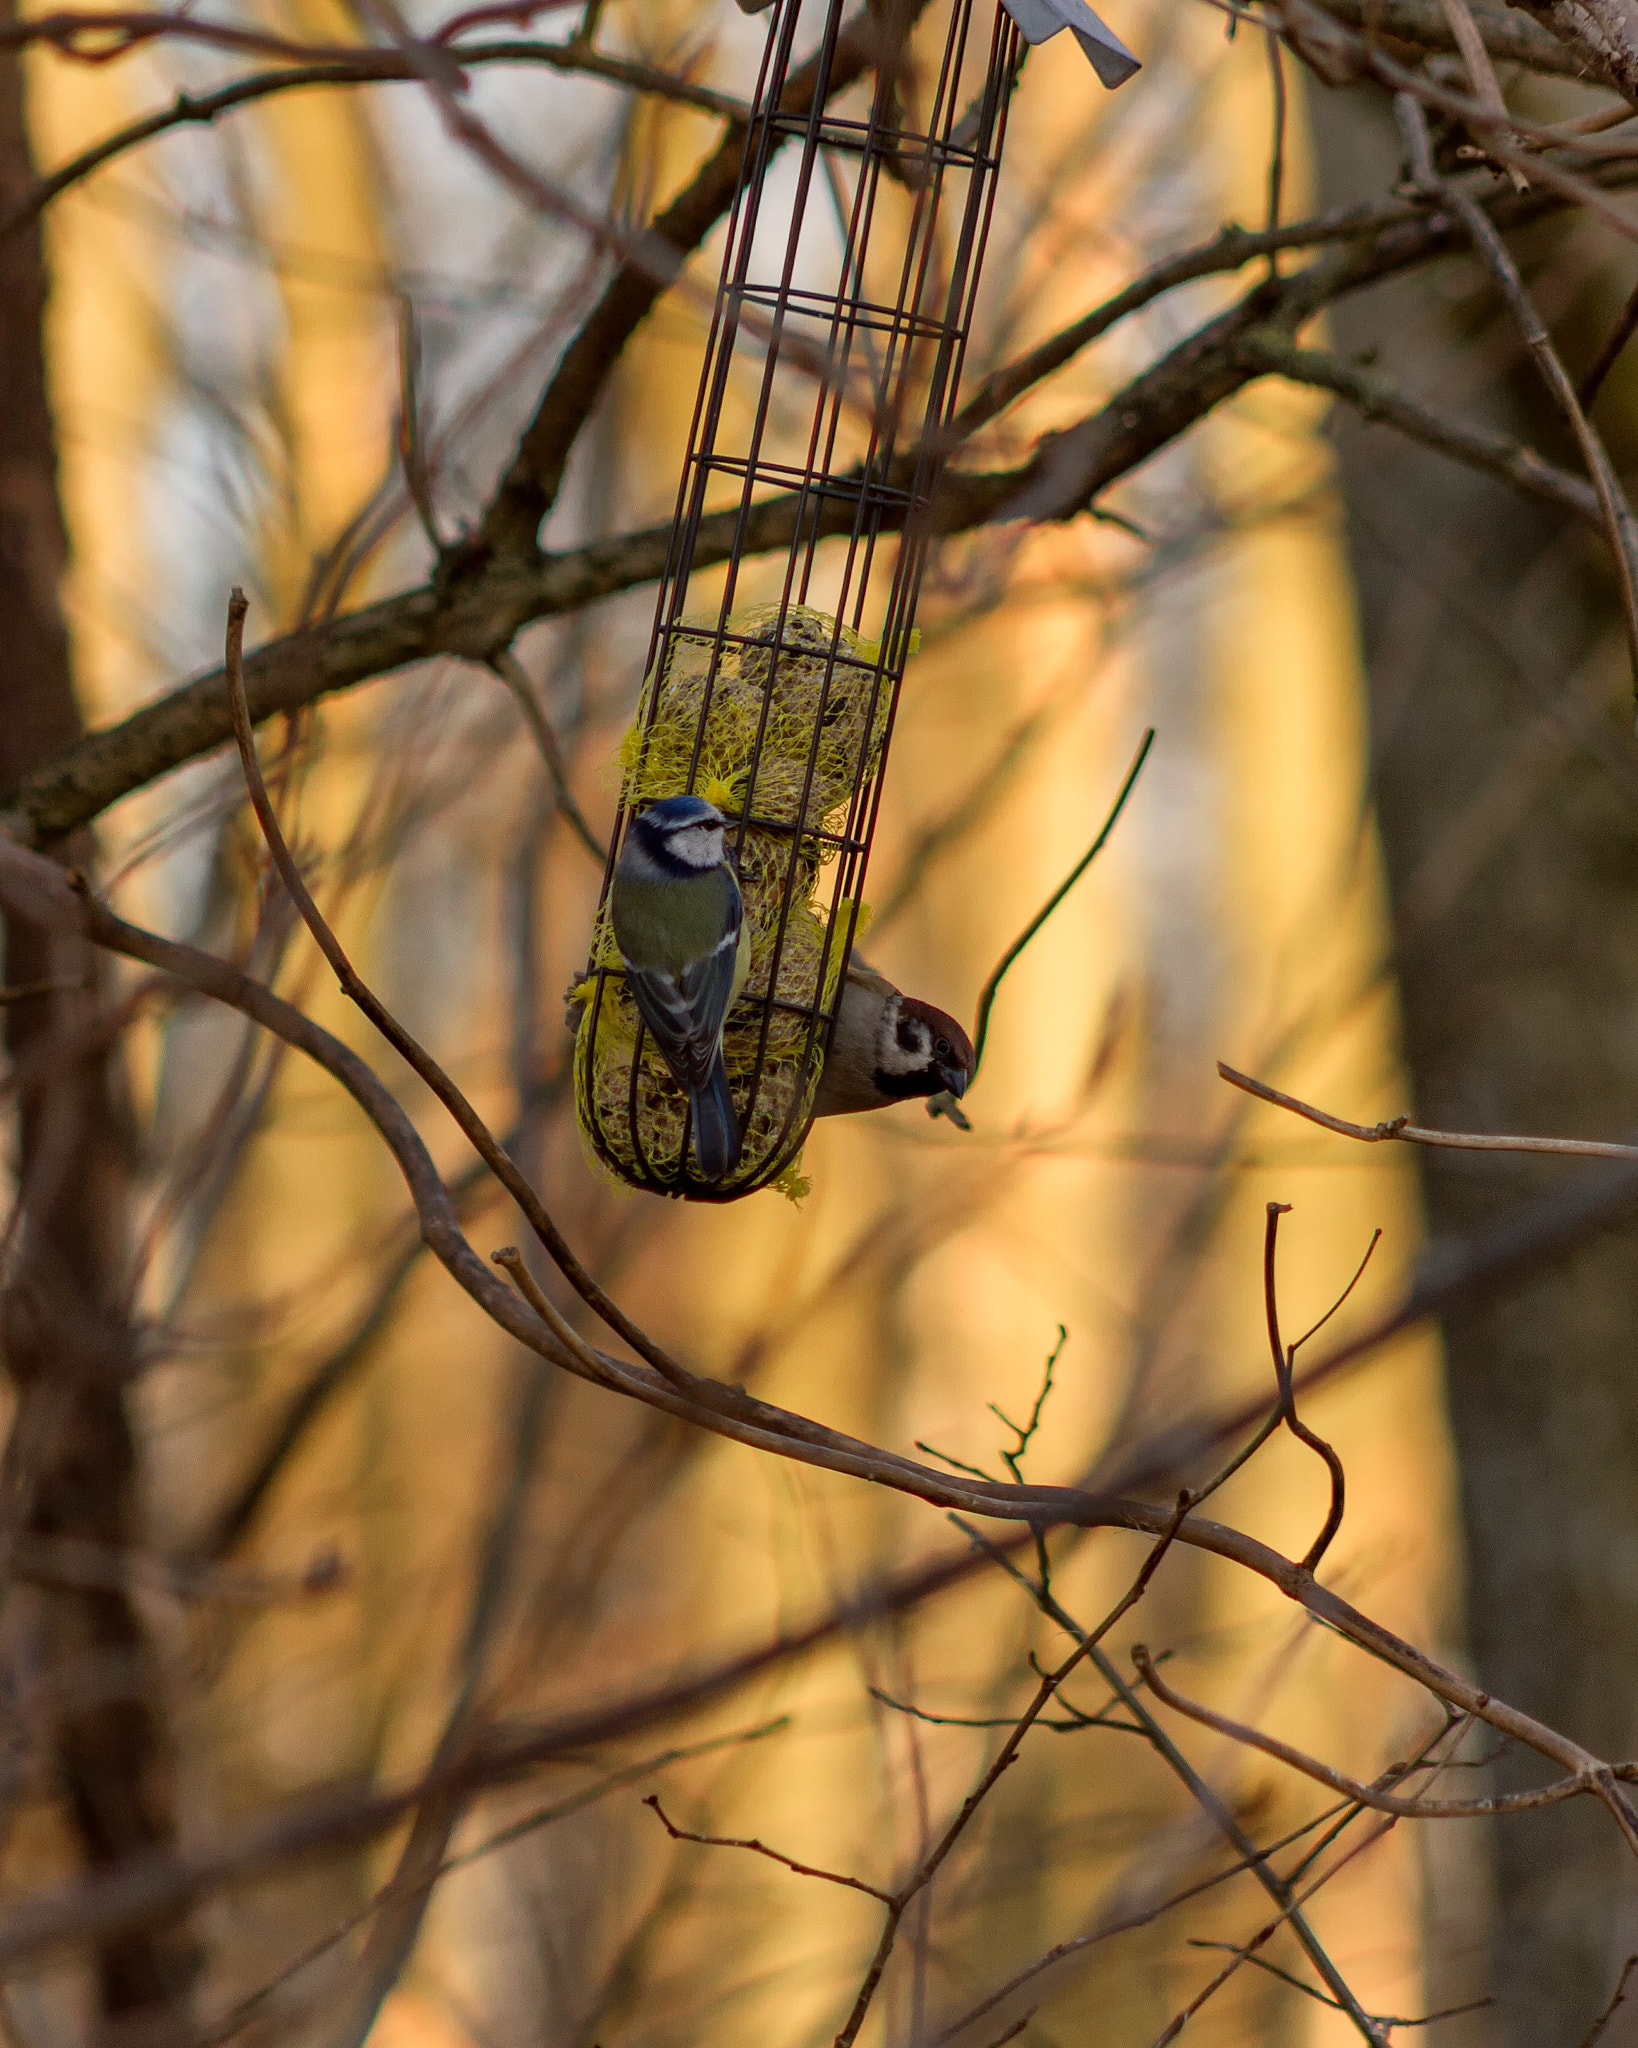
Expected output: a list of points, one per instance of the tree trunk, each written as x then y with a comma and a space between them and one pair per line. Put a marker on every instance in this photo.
1506, 784
70, 1466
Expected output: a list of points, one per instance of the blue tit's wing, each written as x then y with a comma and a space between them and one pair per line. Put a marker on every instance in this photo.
685, 1008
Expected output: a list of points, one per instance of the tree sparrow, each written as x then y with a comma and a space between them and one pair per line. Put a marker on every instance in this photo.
889, 1048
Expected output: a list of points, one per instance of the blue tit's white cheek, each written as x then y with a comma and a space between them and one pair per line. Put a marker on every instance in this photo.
696, 846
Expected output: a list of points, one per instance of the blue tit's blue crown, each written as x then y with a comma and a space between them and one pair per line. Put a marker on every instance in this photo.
675, 813
679, 836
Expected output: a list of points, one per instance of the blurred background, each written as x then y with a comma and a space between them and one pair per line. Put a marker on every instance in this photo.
1380, 857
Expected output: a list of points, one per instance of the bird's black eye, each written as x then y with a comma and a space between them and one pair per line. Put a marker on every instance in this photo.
944, 1048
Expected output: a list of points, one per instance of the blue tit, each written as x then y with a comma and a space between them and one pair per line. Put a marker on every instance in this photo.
679, 923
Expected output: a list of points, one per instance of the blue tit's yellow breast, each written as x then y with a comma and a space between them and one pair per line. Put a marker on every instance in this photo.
667, 925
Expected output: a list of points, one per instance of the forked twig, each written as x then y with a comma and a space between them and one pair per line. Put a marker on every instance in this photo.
923, 1875
1281, 1890
37, 889
1265, 1934
1481, 75
1025, 1433
510, 1261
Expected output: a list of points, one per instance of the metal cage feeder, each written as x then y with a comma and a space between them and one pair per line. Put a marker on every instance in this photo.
781, 711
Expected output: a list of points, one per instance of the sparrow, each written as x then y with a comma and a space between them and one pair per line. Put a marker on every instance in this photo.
679, 924
888, 1047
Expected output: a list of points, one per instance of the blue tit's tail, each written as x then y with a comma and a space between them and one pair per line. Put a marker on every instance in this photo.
716, 1127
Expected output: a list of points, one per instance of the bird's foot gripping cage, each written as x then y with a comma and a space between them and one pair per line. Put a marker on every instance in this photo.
824, 412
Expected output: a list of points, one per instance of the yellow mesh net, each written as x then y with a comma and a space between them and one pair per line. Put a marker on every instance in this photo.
822, 739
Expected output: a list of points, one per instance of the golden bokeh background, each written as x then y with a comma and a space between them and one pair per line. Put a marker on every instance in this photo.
224, 348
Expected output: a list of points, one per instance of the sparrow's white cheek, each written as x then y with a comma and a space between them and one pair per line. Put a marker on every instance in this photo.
908, 1049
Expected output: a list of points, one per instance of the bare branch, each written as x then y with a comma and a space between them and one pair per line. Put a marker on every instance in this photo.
470, 1124
474, 614
1510, 35
987, 994
347, 68
36, 888
1050, 1683
1620, 524
1620, 334
1276, 354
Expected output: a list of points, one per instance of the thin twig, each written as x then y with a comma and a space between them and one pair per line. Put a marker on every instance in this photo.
338, 69
1276, 153
1076, 1723
1314, 1328
1147, 413
1617, 1998
1619, 335
511, 1261
1402, 1129
512, 673
1124, 1922
1389, 2020
1283, 1361
1013, 2031
677, 1834
1266, 1934
37, 889
1379, 402
1276, 1414
399, 1888
1481, 76
987, 995
1583, 1782
1025, 1435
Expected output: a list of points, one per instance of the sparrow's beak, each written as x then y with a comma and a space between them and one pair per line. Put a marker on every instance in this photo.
954, 1077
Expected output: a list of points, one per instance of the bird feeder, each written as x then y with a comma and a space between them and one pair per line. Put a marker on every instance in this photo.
854, 243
